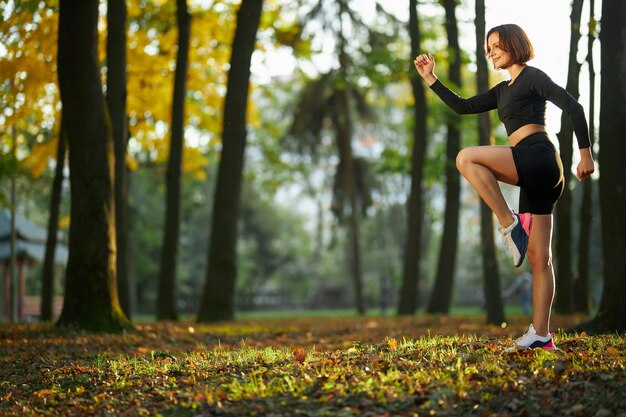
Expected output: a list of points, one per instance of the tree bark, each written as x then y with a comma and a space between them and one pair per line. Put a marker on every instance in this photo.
344, 128
218, 297
611, 316
116, 103
491, 275
166, 297
409, 292
564, 277
91, 301
47, 284
441, 296
581, 282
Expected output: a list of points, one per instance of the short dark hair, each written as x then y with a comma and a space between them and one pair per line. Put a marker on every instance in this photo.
513, 39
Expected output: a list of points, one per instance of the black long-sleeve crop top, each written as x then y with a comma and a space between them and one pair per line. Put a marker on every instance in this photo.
521, 103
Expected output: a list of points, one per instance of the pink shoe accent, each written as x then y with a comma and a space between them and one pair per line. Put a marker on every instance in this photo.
549, 345
527, 222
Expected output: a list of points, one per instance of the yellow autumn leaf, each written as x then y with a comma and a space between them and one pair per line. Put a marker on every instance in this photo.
194, 162
160, 2
131, 162
64, 222
40, 156
392, 343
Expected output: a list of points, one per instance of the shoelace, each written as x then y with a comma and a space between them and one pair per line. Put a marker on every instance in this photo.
506, 242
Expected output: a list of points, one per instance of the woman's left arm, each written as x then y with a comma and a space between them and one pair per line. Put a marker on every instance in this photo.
556, 94
566, 102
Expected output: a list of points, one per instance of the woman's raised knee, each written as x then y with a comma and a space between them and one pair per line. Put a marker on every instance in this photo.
466, 158
463, 159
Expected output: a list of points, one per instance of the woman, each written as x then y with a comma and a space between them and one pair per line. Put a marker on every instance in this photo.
531, 162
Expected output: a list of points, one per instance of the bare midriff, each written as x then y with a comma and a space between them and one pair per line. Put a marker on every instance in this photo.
524, 132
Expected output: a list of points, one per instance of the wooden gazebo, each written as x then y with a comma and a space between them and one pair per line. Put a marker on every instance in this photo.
30, 248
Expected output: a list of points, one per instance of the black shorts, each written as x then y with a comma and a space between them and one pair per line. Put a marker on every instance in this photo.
540, 174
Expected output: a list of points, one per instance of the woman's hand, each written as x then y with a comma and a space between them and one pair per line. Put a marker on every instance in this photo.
425, 66
586, 165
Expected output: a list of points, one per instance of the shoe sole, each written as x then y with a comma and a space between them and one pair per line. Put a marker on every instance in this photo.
550, 347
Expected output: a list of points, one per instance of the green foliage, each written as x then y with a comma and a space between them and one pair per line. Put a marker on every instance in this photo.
9, 165
393, 161
274, 248
287, 33
146, 212
146, 200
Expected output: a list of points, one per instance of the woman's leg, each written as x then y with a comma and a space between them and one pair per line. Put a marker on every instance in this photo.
540, 258
483, 167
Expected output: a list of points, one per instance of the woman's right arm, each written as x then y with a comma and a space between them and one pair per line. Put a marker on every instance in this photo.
425, 65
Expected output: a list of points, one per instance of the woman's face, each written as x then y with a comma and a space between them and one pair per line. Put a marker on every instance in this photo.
500, 58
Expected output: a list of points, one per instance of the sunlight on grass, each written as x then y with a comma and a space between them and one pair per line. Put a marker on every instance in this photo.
307, 366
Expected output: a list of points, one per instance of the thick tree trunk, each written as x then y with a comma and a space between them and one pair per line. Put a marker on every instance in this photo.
415, 209
166, 297
219, 291
116, 101
581, 286
611, 316
47, 283
564, 279
441, 296
91, 301
491, 276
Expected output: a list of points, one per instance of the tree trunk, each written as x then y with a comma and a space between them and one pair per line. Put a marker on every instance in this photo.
91, 301
441, 296
412, 252
355, 246
116, 102
611, 316
218, 298
166, 297
581, 283
343, 128
47, 284
13, 262
564, 279
343, 123
581, 286
491, 276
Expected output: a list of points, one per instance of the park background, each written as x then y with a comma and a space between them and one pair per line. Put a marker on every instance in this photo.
311, 227
251, 208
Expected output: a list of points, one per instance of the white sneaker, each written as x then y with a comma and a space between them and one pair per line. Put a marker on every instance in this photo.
530, 340
515, 240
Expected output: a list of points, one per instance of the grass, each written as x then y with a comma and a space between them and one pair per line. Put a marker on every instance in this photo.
330, 313
310, 366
